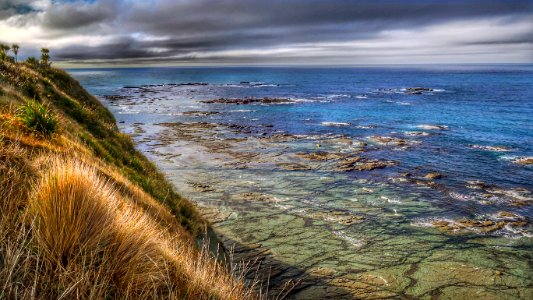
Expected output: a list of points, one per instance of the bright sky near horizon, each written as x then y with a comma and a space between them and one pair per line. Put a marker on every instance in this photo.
275, 32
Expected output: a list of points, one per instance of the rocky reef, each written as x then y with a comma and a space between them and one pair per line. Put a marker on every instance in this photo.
502, 219
338, 216
251, 100
524, 161
417, 90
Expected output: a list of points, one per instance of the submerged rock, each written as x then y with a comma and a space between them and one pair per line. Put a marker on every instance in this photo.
485, 226
281, 138
340, 217
256, 197
201, 187
291, 166
339, 140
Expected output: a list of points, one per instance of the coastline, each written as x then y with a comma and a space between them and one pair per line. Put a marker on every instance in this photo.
251, 183
257, 150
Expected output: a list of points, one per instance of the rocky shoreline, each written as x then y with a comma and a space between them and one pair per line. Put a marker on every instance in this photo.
262, 189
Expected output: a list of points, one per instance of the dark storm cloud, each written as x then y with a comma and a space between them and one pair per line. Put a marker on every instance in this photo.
206, 15
10, 8
69, 16
176, 30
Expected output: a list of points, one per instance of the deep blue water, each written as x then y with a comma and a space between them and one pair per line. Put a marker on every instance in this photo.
490, 105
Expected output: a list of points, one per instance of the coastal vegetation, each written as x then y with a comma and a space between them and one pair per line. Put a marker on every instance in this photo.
84, 214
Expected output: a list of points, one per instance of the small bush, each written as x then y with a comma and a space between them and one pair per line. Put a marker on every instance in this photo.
32, 61
38, 118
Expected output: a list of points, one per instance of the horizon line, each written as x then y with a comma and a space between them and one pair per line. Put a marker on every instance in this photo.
69, 66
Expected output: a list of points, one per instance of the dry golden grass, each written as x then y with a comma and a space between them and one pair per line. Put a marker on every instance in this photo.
76, 224
78, 237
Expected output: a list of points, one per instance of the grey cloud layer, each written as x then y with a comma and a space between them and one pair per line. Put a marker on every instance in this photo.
190, 29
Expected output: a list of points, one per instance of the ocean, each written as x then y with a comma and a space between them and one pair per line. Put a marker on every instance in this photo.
403, 181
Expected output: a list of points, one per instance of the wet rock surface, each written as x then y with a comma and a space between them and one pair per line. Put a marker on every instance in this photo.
358, 163
524, 161
392, 141
502, 219
433, 175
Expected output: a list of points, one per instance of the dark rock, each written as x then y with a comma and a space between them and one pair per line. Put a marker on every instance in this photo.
194, 83
358, 163
418, 89
239, 101
197, 113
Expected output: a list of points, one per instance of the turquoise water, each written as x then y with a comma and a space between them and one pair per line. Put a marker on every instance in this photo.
389, 232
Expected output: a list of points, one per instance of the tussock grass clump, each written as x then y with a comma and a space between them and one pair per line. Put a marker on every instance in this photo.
97, 244
38, 118
88, 235
73, 211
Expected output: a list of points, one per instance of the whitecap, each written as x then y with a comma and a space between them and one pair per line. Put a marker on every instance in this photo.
416, 133
336, 124
491, 148
461, 197
391, 200
365, 126
432, 127
335, 96
509, 157
242, 110
306, 100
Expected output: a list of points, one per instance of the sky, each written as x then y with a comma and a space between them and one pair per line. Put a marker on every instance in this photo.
270, 32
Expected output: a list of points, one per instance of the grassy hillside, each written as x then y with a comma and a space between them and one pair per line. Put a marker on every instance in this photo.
84, 215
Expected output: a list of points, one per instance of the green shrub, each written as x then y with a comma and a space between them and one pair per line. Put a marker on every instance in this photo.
38, 118
32, 61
